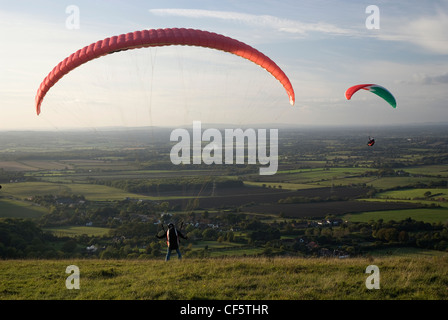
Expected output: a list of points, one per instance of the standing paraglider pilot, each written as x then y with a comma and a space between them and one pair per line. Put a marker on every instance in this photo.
172, 240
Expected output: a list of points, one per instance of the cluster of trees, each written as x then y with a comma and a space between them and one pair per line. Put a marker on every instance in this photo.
145, 186
362, 237
24, 239
75, 210
21, 238
413, 233
6, 176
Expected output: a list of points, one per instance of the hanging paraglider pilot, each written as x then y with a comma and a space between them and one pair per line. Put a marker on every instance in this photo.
172, 240
371, 142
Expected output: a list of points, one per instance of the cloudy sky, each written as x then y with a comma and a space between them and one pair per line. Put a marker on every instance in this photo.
324, 47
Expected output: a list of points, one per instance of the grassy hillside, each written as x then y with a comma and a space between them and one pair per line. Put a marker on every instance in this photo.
19, 209
401, 278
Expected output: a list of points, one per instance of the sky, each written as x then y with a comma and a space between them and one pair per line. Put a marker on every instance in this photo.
324, 47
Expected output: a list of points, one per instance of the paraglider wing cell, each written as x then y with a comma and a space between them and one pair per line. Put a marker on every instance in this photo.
161, 37
374, 88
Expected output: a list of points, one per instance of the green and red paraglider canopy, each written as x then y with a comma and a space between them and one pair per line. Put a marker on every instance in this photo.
374, 88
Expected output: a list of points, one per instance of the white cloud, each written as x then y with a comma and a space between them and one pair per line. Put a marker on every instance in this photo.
421, 78
268, 21
428, 32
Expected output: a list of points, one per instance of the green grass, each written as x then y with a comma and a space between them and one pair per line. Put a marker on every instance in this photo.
237, 252
216, 244
431, 215
415, 196
433, 170
401, 278
349, 176
19, 209
91, 192
72, 231
409, 194
304, 176
392, 182
407, 252
226, 249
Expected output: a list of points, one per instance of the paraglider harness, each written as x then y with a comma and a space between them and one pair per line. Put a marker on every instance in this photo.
371, 142
173, 235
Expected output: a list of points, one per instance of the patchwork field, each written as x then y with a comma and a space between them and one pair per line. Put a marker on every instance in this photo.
430, 194
433, 215
24, 190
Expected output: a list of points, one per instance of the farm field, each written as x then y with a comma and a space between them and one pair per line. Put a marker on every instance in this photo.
438, 194
433, 170
18, 209
16, 166
327, 177
316, 210
71, 231
433, 215
24, 190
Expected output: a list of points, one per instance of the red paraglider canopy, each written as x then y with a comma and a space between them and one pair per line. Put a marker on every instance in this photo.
161, 37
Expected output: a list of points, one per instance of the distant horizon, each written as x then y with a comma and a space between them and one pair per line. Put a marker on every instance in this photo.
229, 125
